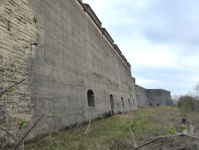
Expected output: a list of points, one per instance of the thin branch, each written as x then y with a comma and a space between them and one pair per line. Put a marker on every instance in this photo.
34, 121
45, 124
88, 124
156, 140
42, 111
168, 136
85, 132
192, 136
135, 144
7, 132
193, 133
87, 127
74, 131
28, 132
78, 136
11, 87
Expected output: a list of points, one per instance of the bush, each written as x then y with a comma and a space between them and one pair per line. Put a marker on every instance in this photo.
187, 102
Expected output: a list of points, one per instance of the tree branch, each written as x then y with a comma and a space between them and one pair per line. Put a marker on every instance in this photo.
28, 132
11, 87
7, 132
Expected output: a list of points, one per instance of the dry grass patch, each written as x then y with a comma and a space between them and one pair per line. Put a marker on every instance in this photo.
113, 133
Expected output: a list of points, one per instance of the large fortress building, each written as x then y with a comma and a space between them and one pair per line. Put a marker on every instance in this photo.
70, 64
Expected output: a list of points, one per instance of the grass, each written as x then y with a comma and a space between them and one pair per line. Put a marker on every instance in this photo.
113, 133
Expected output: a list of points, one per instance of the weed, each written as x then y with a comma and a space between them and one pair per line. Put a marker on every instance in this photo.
35, 19
184, 128
171, 130
113, 132
134, 143
11, 89
22, 123
53, 114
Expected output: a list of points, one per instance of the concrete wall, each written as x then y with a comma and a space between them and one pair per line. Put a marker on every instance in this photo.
62, 54
61, 50
152, 97
142, 98
158, 97
167, 97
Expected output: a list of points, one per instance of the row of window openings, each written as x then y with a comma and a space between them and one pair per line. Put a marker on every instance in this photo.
91, 99
157, 104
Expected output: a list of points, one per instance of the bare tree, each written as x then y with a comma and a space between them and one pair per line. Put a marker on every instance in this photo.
196, 89
175, 99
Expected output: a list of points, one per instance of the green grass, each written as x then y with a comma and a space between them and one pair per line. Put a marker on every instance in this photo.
105, 133
114, 133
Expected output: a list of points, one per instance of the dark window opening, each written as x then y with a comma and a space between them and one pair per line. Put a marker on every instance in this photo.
91, 98
112, 101
133, 102
129, 102
122, 101
158, 104
150, 104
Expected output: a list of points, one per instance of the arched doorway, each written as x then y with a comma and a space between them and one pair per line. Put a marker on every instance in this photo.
129, 102
112, 104
122, 101
91, 98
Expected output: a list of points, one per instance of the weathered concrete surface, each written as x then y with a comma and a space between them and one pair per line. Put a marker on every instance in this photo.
71, 66
158, 97
73, 56
61, 52
142, 98
152, 97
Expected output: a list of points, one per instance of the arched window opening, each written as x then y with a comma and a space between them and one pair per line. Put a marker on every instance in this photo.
111, 101
158, 104
129, 102
122, 101
91, 98
150, 104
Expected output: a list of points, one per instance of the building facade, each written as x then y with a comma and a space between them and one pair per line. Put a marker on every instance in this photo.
152, 97
70, 64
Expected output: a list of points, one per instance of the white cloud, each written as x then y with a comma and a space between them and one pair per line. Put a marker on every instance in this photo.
158, 38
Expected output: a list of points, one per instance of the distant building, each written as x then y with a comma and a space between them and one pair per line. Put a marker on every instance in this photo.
152, 97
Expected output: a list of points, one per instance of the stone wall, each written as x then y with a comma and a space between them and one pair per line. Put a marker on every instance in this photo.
152, 97
142, 98
156, 97
18, 35
70, 64
159, 97
167, 97
62, 52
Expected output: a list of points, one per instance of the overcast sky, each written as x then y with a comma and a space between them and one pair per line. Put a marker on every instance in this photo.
159, 38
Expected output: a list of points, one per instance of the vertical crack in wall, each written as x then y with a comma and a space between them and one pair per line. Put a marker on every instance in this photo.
18, 33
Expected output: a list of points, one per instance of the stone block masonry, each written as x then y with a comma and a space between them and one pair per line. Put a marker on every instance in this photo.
18, 34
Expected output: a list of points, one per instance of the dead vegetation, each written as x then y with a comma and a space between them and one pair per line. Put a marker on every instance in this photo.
113, 133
